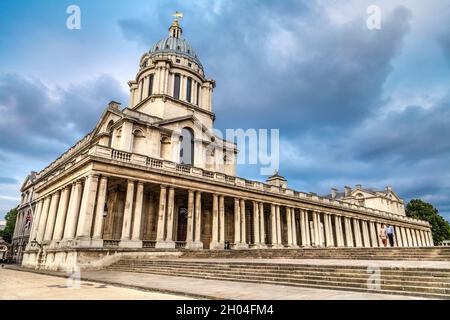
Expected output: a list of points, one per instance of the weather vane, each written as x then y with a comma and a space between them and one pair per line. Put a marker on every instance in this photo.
177, 15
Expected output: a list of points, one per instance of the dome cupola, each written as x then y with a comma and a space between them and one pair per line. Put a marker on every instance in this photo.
175, 44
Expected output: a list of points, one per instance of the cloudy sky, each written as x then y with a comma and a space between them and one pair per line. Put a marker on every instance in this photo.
353, 105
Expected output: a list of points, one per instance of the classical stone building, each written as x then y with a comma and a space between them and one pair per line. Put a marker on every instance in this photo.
154, 177
24, 218
385, 200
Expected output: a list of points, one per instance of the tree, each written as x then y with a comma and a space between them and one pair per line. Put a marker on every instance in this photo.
8, 232
440, 228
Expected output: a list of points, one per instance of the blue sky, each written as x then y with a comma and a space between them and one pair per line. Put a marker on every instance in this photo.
353, 105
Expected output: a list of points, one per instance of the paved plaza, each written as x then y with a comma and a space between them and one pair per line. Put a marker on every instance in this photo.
128, 285
19, 285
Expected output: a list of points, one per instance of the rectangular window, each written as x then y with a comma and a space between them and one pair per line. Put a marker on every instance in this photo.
141, 88
198, 94
188, 90
150, 85
176, 87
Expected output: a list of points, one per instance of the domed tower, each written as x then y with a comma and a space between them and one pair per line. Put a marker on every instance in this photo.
171, 81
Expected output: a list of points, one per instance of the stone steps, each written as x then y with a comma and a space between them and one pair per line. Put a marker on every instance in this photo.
424, 254
427, 282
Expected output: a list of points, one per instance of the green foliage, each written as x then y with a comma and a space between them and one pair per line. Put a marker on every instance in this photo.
10, 218
422, 210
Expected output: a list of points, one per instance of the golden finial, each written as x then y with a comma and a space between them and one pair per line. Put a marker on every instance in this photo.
177, 15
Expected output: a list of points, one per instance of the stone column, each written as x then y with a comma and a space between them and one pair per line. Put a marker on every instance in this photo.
380, 242
289, 226
161, 214
170, 217
35, 221
43, 219
273, 227
52, 216
357, 230
99, 212
366, 237
348, 232
408, 236
430, 236
87, 209
237, 222
398, 236
278, 215
222, 220
262, 222
316, 222
215, 245
309, 236
243, 223
414, 239
339, 231
404, 238
373, 234
198, 219
72, 213
419, 240
137, 217
190, 220
61, 214
294, 229
327, 226
303, 226
422, 237
127, 214
256, 238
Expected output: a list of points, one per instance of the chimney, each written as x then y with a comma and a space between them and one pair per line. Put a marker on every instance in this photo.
114, 105
334, 193
358, 186
347, 191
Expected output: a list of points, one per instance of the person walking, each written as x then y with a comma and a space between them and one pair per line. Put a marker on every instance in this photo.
383, 235
390, 234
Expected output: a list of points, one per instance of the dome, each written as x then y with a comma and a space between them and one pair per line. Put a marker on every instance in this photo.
174, 43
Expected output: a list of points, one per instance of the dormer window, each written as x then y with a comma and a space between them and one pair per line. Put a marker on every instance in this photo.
178, 60
178, 48
167, 46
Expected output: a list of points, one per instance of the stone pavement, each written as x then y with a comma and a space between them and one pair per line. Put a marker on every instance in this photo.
18, 285
198, 288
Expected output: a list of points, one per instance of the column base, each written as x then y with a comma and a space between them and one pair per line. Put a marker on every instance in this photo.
293, 246
240, 246
163, 244
259, 246
130, 244
194, 245
86, 242
216, 246
277, 246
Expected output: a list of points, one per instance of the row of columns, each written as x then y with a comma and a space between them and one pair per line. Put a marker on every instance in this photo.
77, 212
68, 213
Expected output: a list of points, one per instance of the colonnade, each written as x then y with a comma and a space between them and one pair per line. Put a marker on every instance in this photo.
77, 212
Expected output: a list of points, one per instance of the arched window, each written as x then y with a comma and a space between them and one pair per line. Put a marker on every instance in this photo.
187, 146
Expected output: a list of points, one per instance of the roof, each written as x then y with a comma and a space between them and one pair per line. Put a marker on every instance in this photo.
179, 46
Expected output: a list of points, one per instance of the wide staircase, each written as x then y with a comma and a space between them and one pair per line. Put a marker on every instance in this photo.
418, 254
421, 282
